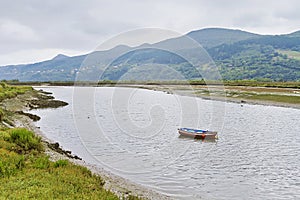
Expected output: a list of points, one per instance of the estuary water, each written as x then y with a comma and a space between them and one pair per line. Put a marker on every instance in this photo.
133, 133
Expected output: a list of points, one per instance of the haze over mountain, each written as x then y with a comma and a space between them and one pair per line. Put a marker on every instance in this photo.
237, 55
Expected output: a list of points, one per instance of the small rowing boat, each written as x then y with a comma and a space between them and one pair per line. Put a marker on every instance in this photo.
197, 133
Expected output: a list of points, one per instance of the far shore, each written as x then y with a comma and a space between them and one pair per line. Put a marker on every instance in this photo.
268, 96
255, 91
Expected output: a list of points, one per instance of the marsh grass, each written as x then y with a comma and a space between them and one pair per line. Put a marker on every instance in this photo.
265, 97
251, 95
41, 162
25, 140
275, 98
7, 92
27, 173
61, 163
10, 163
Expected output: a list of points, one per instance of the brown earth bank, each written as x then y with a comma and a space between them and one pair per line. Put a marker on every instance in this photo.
18, 109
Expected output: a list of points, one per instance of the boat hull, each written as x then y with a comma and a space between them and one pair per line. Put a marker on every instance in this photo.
197, 134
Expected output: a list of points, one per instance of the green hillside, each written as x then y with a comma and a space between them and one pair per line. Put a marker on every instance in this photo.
255, 61
237, 55
212, 37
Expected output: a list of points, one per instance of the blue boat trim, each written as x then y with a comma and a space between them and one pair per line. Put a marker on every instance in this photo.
197, 133
193, 130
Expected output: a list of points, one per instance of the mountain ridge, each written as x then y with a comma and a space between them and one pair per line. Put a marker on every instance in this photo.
59, 57
229, 48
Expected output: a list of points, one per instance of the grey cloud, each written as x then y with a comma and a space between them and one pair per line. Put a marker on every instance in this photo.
82, 25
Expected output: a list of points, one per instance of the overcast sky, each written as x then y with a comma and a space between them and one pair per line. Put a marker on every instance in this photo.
35, 30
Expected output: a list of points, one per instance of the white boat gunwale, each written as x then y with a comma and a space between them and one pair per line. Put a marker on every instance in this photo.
197, 133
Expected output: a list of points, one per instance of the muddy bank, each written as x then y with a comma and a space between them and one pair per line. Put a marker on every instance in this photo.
55, 147
36, 103
18, 115
234, 94
43, 99
18, 108
31, 116
31, 100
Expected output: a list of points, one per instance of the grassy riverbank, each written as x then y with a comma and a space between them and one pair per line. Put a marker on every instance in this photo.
9, 92
26, 171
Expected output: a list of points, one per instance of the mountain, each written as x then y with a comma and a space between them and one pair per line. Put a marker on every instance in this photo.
50, 70
294, 34
212, 37
237, 55
60, 57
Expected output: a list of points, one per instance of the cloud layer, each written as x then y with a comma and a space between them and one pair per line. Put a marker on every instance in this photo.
34, 30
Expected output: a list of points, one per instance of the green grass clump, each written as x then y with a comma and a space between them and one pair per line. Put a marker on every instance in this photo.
25, 139
7, 92
61, 163
42, 162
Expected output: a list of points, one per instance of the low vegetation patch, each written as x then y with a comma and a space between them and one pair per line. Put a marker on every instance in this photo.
250, 95
7, 91
276, 98
24, 139
27, 173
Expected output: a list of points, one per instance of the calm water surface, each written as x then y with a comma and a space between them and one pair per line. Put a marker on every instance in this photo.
133, 133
